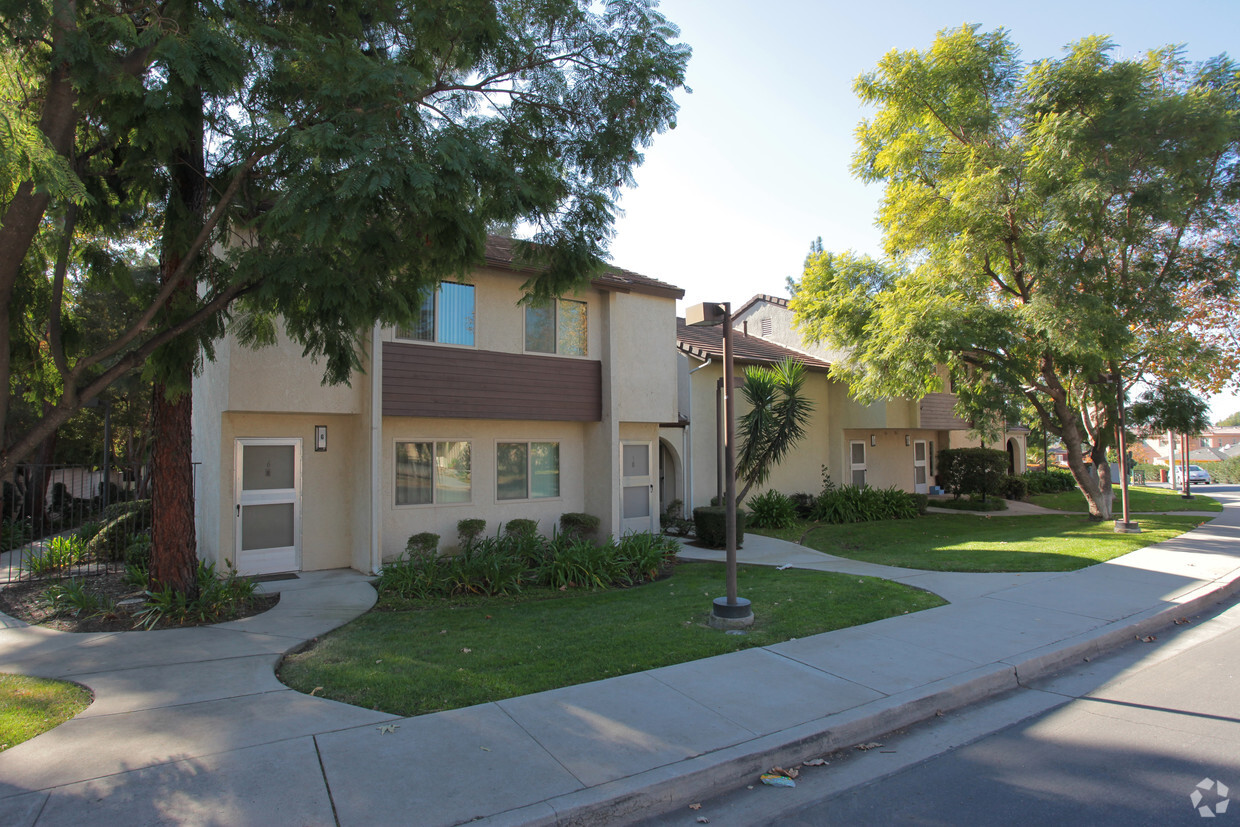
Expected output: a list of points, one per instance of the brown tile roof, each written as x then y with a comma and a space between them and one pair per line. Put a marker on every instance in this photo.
704, 342
499, 253
761, 297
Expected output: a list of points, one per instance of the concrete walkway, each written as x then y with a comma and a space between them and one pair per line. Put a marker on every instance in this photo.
190, 726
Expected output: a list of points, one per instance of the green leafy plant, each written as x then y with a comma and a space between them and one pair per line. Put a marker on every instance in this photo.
854, 504
71, 597
710, 523
422, 544
576, 563
220, 596
972, 470
579, 525
58, 555
771, 509
672, 520
469, 530
1014, 488
1051, 481
14, 534
521, 526
646, 556
123, 523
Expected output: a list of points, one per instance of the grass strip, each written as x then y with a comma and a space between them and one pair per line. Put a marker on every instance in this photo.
32, 706
429, 656
951, 542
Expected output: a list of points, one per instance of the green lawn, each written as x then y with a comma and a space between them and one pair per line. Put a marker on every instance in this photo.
431, 656
967, 542
1139, 499
30, 706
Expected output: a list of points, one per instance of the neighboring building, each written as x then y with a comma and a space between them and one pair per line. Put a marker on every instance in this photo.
892, 443
482, 408
1214, 445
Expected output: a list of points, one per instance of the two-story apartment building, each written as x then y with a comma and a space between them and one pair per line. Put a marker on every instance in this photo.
482, 407
889, 443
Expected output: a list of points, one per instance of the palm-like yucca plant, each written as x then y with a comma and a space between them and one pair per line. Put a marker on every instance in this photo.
776, 420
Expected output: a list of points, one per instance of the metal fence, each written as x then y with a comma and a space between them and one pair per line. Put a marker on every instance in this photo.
62, 521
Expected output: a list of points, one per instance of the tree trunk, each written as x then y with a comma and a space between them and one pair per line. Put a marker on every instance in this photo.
174, 559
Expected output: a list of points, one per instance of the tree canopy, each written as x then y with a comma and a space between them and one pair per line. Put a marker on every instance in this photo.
329, 162
1045, 224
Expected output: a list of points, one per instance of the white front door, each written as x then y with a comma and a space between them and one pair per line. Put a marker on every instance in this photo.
921, 476
636, 487
268, 505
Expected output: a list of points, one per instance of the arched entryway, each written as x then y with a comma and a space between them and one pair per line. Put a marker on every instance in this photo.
669, 475
1012, 450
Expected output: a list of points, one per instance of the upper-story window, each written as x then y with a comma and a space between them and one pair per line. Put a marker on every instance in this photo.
446, 316
558, 327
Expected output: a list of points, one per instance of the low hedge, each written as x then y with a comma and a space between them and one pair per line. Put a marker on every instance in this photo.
711, 524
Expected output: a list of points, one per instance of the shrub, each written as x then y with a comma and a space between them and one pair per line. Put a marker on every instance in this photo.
71, 597
415, 577
468, 531
14, 534
59, 554
488, 567
422, 544
1051, 481
711, 524
520, 526
219, 598
972, 470
803, 503
853, 504
922, 502
1227, 470
138, 552
1014, 488
578, 525
122, 523
646, 556
575, 563
771, 509
673, 521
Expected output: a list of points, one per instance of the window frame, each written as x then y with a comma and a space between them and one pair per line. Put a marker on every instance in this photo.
433, 442
555, 330
438, 292
529, 469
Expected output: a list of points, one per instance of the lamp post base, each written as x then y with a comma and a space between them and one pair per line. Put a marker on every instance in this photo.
724, 615
1122, 527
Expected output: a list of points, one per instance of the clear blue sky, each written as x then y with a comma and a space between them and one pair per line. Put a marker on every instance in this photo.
758, 166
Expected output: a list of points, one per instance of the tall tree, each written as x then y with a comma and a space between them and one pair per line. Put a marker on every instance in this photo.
1169, 407
333, 159
1044, 222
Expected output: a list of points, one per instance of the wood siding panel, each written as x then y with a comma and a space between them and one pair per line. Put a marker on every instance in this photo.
455, 383
936, 413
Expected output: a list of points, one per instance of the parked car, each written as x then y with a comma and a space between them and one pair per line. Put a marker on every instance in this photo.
1196, 475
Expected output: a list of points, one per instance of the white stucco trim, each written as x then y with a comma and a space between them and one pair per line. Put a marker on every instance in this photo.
376, 449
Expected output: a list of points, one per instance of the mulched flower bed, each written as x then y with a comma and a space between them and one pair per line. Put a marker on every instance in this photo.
24, 601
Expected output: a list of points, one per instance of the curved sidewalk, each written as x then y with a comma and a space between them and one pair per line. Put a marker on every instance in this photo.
191, 727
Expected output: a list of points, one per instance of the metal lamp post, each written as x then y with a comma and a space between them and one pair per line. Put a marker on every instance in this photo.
1124, 525
730, 612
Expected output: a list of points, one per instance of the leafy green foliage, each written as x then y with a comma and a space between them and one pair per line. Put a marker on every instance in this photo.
422, 544
979, 471
1050, 481
771, 509
378, 140
1043, 223
14, 534
855, 504
1014, 487
57, 555
710, 523
579, 525
1169, 406
469, 530
1227, 471
124, 523
521, 527
72, 597
775, 422
220, 597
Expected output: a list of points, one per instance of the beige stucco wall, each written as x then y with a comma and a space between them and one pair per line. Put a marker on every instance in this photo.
399, 522
280, 379
332, 535
644, 372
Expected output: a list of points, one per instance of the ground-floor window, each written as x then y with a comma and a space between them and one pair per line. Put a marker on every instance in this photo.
433, 473
527, 470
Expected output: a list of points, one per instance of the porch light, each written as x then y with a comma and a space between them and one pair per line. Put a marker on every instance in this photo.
730, 612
